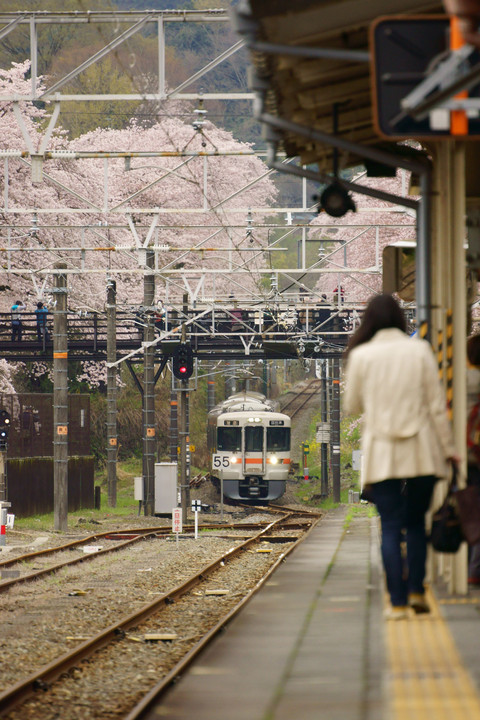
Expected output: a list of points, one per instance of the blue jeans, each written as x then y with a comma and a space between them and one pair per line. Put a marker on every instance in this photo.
402, 505
473, 478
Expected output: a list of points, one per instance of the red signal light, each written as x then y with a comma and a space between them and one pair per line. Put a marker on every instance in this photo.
182, 361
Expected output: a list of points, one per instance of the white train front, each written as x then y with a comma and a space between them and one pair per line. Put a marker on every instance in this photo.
249, 444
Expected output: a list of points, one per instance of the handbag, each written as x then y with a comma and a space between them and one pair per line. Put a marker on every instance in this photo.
446, 534
366, 493
468, 503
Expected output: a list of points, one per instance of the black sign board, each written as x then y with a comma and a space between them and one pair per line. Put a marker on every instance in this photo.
406, 51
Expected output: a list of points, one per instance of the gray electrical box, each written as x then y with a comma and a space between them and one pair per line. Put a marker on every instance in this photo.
165, 487
356, 459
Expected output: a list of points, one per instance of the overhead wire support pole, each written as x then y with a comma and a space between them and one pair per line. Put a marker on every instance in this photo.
324, 416
182, 396
335, 430
112, 447
148, 397
60, 402
423, 257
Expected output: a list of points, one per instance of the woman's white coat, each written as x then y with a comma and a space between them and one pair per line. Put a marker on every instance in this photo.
393, 381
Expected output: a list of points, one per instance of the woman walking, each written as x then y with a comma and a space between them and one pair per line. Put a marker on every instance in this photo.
406, 441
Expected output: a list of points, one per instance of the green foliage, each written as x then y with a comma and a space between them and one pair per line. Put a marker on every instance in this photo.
159, 4
37, 377
33, 377
359, 511
291, 239
102, 77
15, 46
350, 440
349, 478
133, 66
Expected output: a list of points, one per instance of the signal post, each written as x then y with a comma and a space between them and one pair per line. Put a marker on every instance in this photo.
182, 369
4, 430
4, 505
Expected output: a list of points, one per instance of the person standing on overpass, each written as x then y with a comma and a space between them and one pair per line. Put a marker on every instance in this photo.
41, 315
17, 325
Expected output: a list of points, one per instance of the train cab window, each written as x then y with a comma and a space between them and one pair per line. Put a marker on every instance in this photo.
229, 439
278, 439
253, 439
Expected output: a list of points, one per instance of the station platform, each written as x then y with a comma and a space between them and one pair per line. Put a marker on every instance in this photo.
313, 644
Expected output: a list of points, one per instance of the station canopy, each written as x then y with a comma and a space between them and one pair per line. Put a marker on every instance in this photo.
331, 95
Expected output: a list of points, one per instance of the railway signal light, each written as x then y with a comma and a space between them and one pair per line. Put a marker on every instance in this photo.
182, 362
4, 428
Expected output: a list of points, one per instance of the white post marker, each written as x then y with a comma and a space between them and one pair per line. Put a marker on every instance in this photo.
177, 521
196, 508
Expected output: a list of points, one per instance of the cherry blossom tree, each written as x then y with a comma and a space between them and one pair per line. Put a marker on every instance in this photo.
165, 201
356, 241
141, 194
162, 185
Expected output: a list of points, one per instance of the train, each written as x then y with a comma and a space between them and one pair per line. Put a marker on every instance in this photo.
249, 443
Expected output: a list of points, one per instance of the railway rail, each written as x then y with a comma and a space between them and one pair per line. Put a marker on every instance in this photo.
121, 539
51, 684
299, 400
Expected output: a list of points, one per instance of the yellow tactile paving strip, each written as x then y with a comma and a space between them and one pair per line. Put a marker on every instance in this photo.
427, 678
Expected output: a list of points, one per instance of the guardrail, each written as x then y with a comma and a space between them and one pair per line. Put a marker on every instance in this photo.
92, 326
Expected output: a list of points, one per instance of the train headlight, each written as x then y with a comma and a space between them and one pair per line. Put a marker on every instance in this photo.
274, 460
233, 460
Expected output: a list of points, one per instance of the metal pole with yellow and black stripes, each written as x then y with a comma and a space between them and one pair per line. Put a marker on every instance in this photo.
449, 362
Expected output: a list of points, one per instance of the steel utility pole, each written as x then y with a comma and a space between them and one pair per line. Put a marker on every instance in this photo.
173, 424
149, 439
324, 416
111, 393
182, 436
210, 392
183, 431
335, 429
60, 402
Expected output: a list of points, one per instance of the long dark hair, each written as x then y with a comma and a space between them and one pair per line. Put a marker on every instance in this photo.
382, 311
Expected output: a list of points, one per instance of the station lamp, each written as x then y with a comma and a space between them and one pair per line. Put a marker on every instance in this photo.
336, 201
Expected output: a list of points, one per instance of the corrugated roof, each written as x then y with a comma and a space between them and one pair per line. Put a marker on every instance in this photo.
329, 94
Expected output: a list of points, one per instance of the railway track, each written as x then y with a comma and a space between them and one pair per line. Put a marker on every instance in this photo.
17, 567
50, 686
299, 400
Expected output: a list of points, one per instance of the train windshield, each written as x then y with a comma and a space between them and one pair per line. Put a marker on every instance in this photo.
229, 439
278, 439
253, 439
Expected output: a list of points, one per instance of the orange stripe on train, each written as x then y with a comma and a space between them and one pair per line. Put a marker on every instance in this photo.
258, 461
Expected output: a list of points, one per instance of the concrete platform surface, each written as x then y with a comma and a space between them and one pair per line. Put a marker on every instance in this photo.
313, 644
